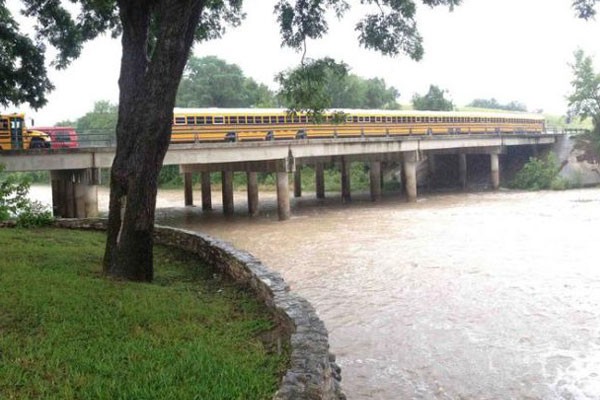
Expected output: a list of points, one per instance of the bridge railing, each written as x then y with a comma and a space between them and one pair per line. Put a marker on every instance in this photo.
96, 139
561, 130
103, 138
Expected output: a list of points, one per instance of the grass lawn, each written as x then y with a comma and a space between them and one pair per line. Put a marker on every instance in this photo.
66, 332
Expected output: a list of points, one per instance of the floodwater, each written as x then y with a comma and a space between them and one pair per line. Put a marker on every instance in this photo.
458, 296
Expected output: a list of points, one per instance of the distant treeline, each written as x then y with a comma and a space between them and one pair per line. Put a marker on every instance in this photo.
493, 104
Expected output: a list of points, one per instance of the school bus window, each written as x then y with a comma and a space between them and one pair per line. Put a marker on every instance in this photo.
191, 120
179, 120
296, 119
233, 120
249, 119
218, 120
241, 120
281, 119
209, 120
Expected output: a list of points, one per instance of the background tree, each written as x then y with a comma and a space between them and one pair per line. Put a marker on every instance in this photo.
156, 37
434, 100
212, 82
493, 104
356, 92
98, 126
584, 101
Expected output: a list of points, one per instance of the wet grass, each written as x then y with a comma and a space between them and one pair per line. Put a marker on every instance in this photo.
66, 332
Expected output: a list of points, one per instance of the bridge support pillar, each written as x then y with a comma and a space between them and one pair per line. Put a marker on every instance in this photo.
345, 169
375, 180
462, 170
206, 191
227, 192
298, 182
187, 189
495, 168
75, 193
320, 181
410, 174
283, 196
252, 178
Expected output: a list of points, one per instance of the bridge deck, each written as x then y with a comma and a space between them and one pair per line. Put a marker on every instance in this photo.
256, 152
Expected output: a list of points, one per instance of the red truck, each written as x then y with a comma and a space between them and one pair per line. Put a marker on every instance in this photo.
63, 137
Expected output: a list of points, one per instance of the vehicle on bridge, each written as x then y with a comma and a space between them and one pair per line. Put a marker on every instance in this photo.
14, 134
222, 124
62, 137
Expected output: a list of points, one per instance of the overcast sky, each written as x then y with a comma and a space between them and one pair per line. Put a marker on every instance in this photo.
507, 49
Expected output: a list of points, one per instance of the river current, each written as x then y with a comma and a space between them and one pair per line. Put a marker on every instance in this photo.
457, 296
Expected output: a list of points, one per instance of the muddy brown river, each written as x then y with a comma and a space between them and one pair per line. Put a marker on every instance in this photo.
459, 296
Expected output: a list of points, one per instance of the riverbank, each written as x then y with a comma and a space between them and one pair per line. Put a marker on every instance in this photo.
67, 333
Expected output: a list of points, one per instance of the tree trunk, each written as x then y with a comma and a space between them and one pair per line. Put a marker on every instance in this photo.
150, 75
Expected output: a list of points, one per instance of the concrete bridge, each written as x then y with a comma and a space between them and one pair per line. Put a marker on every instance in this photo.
75, 172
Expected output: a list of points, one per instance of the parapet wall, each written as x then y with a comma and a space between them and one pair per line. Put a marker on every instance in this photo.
312, 373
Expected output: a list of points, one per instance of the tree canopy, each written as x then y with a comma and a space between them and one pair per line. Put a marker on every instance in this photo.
433, 100
212, 82
584, 101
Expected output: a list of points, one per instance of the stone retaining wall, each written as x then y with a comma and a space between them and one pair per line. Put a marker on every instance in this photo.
313, 373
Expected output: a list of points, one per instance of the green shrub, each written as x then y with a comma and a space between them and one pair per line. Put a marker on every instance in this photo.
539, 174
14, 202
34, 214
13, 194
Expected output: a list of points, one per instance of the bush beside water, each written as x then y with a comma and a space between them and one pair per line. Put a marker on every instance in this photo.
14, 203
540, 174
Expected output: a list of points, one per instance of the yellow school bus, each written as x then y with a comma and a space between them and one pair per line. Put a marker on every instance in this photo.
14, 134
221, 124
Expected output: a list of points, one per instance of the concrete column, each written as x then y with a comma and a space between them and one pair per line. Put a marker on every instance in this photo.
345, 169
320, 181
283, 196
252, 178
206, 191
410, 173
495, 168
298, 182
462, 170
187, 189
227, 192
75, 193
86, 200
375, 180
